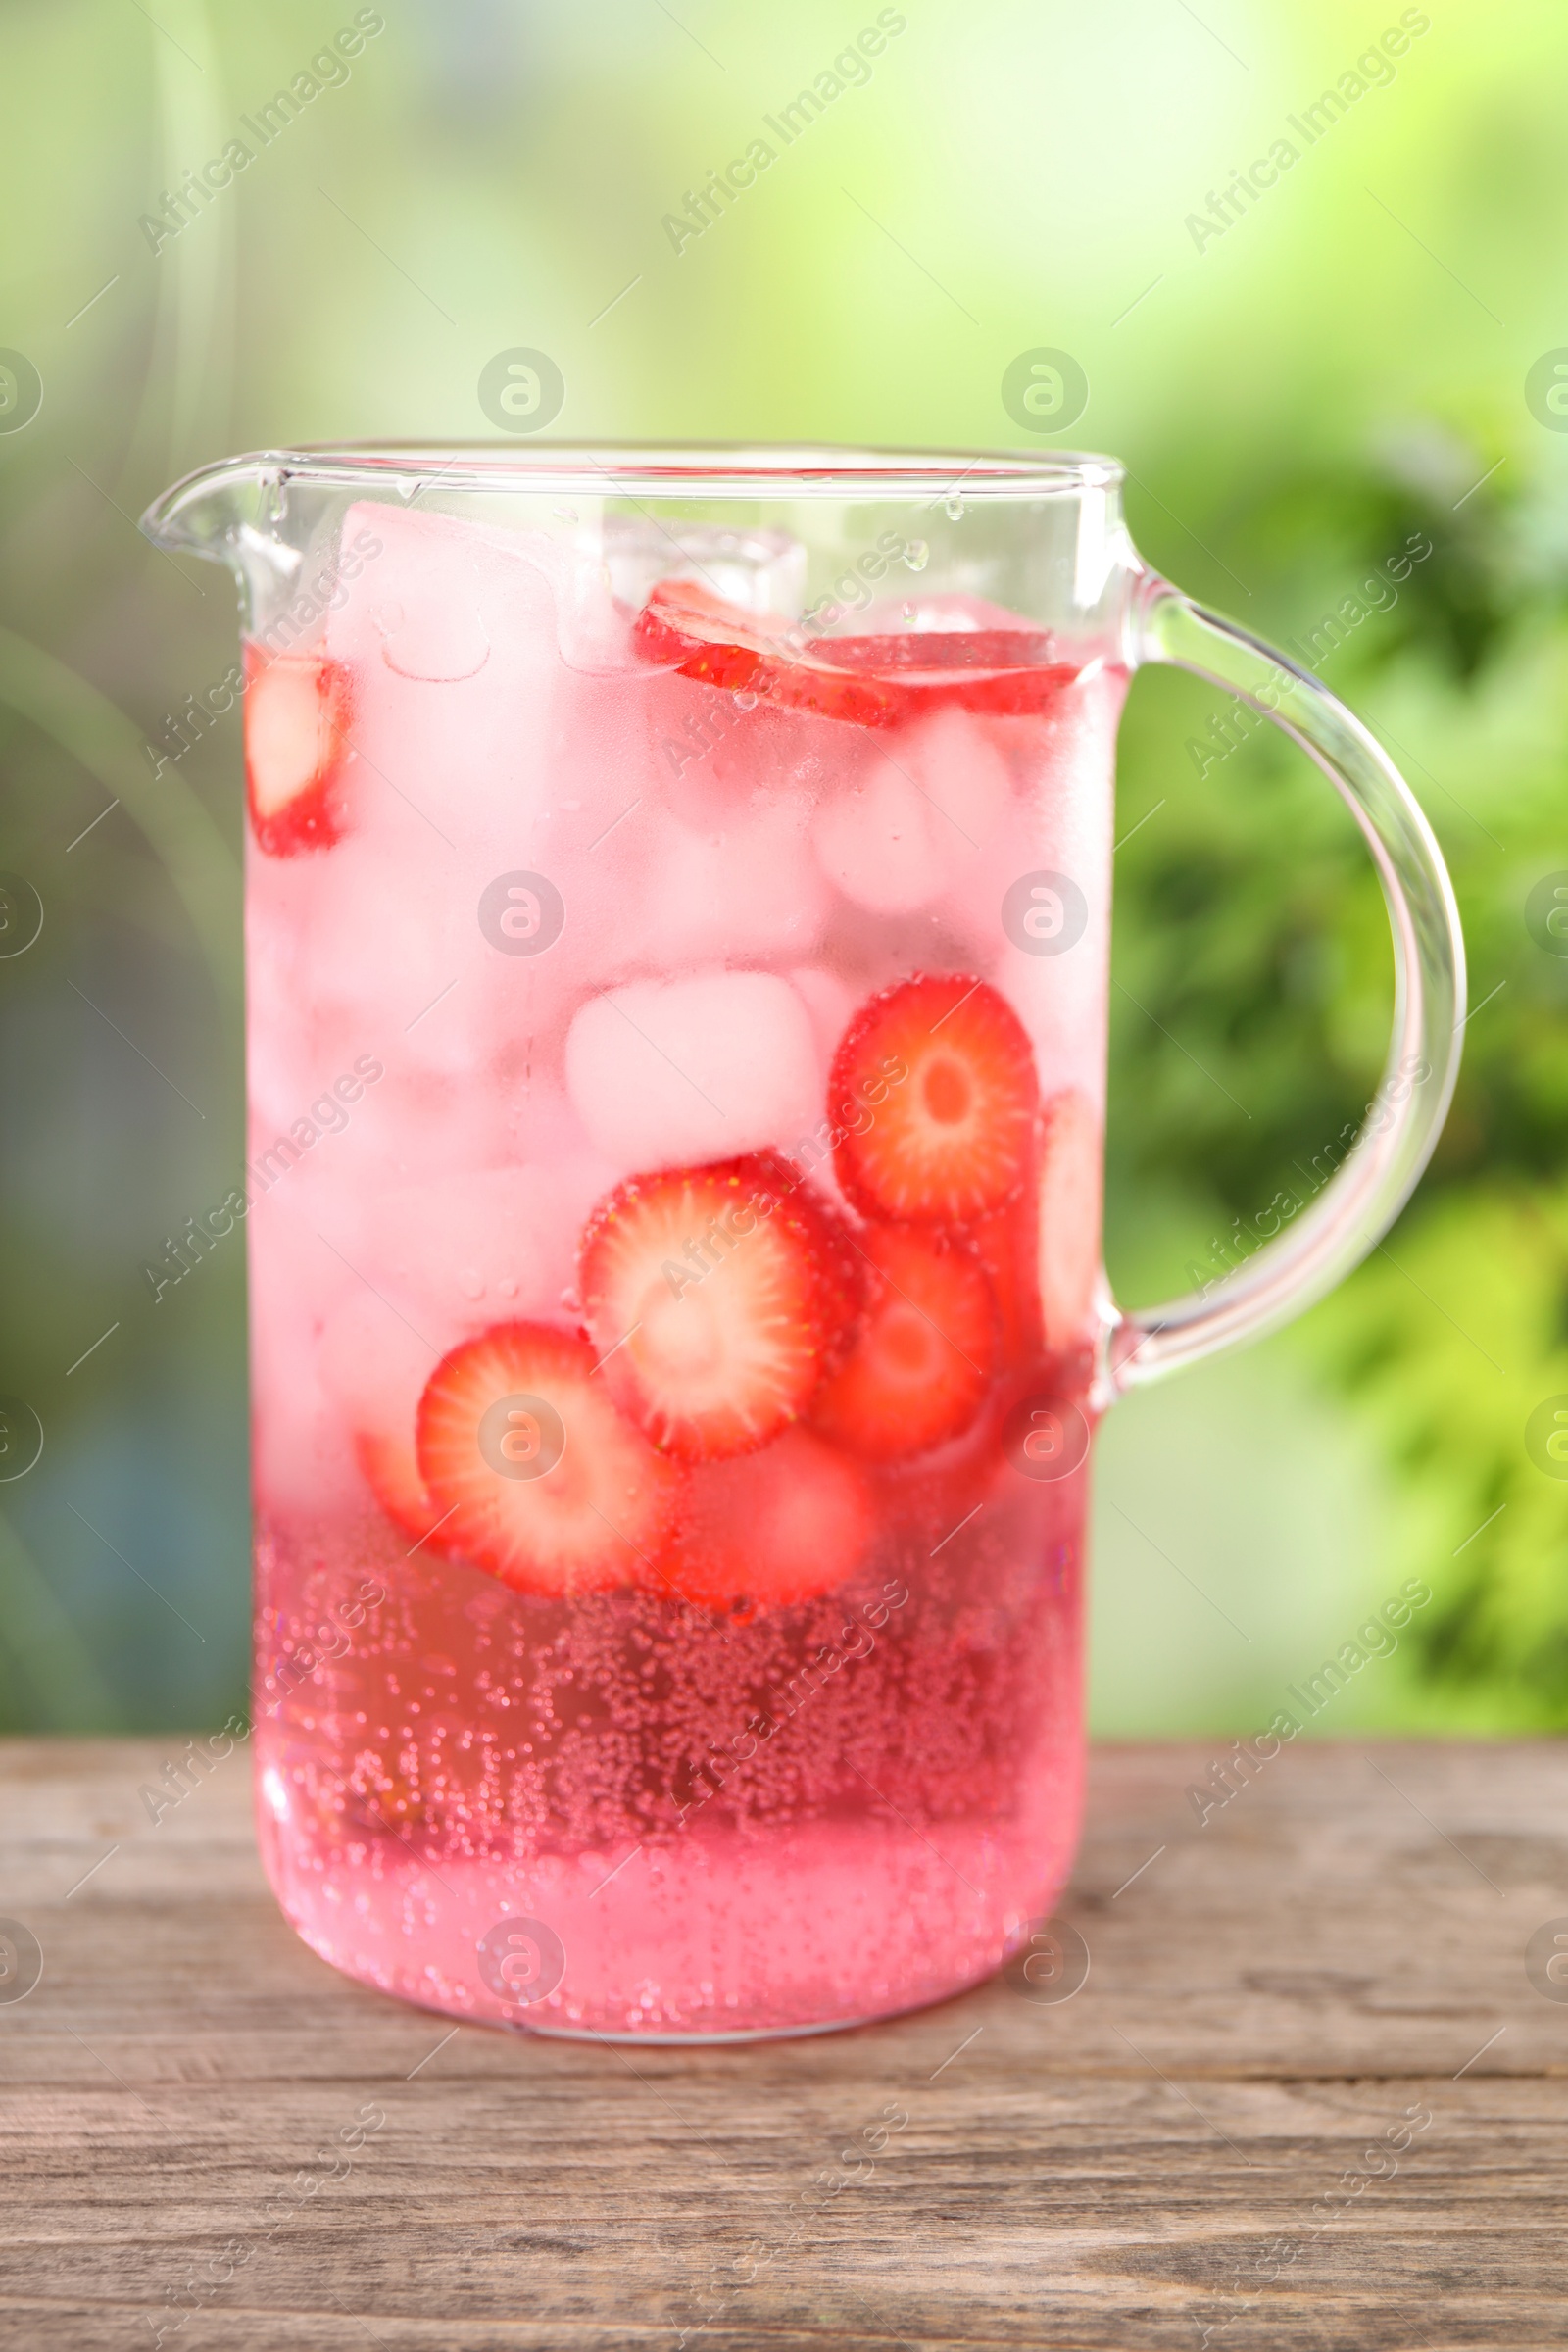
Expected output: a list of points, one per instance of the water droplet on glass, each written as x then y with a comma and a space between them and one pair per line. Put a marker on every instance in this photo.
566, 514
744, 701
917, 555
952, 505
470, 1282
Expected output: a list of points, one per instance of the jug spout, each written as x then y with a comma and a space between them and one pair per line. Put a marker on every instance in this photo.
253, 513
210, 511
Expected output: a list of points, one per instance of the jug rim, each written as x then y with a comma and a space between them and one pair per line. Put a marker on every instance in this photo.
738, 471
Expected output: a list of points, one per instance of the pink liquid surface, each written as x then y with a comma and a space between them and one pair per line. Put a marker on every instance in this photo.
701, 1823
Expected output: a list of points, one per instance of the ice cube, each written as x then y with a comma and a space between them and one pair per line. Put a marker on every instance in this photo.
757, 570
481, 1247
713, 752
874, 843
300, 1460
669, 1074
411, 1126
918, 812
374, 1367
962, 774
750, 887
394, 949
829, 1001
457, 686
543, 1132
1059, 823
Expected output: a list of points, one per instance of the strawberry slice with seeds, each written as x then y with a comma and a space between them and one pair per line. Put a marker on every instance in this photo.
1070, 1185
763, 1531
547, 1487
870, 681
920, 1367
950, 1139
297, 710
715, 1297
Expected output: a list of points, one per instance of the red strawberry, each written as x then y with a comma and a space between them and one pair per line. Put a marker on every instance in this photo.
392, 1473
548, 1488
769, 1529
871, 681
921, 1363
297, 709
1006, 671
1069, 1217
1042, 1252
714, 1296
1008, 1246
949, 1141
694, 631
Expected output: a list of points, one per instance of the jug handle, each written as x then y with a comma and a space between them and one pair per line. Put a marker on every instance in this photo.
1322, 1242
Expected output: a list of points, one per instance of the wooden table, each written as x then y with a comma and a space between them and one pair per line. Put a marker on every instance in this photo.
1171, 2157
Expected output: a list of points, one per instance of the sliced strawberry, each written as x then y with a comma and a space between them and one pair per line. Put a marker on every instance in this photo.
769, 1528
547, 1487
1008, 1246
921, 1363
870, 681
688, 628
1006, 671
391, 1471
1069, 1217
297, 709
715, 1297
949, 1139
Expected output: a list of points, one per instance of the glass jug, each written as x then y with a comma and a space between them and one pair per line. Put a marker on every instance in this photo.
679, 902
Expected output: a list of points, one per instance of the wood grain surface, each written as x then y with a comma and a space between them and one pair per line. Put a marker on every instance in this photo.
1216, 2141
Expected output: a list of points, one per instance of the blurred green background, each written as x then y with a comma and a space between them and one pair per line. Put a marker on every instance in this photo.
1344, 365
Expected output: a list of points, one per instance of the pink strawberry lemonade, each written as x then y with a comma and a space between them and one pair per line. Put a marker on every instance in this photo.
675, 1088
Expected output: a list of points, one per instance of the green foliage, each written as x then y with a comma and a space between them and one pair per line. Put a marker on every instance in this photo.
1250, 926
